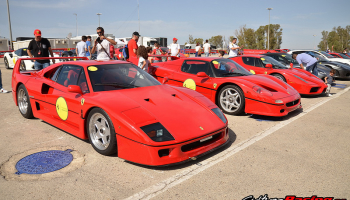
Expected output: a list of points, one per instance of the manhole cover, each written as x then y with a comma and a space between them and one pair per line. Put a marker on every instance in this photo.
44, 162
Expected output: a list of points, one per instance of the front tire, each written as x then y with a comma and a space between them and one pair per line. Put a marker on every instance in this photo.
231, 100
101, 132
7, 66
24, 103
279, 76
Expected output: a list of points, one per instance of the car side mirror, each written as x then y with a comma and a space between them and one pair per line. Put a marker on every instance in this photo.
202, 74
165, 80
291, 65
74, 89
268, 65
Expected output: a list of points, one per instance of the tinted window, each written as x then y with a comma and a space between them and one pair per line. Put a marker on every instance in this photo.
83, 83
18, 52
24, 52
54, 77
193, 67
258, 63
226, 67
248, 60
69, 75
275, 64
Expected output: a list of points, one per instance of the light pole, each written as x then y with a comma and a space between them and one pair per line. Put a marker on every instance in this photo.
268, 31
76, 21
314, 42
99, 18
8, 14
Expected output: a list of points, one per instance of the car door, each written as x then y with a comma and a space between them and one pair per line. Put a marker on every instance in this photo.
250, 65
187, 77
66, 106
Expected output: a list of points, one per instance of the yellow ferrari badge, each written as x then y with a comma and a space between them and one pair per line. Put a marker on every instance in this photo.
215, 85
82, 101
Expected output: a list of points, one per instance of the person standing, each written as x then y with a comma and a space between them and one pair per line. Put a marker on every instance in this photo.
175, 48
345, 51
157, 51
329, 80
40, 47
198, 50
2, 90
309, 61
102, 45
88, 45
132, 46
206, 47
81, 47
143, 58
234, 48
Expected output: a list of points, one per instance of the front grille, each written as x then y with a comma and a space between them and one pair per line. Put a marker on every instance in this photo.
314, 89
292, 103
198, 144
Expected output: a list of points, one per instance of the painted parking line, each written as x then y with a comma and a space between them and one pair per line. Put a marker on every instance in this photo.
193, 170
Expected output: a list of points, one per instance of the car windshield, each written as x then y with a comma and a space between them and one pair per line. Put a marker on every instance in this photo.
119, 76
275, 64
326, 54
226, 67
24, 52
290, 59
343, 56
317, 56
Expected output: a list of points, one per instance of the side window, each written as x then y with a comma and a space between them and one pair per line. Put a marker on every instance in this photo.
248, 60
18, 52
82, 82
54, 76
193, 67
258, 63
69, 75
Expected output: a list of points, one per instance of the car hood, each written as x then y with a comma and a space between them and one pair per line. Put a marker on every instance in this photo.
180, 113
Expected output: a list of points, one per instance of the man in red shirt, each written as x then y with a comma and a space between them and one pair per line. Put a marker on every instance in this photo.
157, 51
132, 46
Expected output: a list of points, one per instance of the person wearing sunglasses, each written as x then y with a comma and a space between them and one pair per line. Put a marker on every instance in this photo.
101, 45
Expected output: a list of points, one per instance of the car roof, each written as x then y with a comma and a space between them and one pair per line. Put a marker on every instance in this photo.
253, 55
280, 53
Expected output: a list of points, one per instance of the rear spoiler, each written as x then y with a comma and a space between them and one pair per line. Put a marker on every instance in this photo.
16, 68
165, 56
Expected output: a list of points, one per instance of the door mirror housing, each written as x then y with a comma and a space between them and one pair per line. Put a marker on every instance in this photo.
165, 80
74, 89
268, 65
202, 74
291, 65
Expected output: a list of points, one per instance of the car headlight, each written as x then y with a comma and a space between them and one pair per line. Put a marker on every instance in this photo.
300, 78
157, 132
218, 113
262, 91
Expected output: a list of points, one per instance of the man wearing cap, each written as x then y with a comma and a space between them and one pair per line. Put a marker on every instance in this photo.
102, 45
132, 46
175, 48
40, 47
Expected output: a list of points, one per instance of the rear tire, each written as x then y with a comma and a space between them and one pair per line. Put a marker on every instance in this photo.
24, 103
279, 76
231, 100
101, 133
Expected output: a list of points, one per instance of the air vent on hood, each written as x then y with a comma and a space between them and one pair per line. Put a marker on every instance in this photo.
174, 95
147, 99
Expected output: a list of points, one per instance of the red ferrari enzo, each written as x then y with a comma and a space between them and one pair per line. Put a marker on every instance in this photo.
301, 80
234, 89
121, 109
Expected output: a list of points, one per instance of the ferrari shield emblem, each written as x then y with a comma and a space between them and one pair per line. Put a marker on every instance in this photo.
215, 85
265, 72
82, 101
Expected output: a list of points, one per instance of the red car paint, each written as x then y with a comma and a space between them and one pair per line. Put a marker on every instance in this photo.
301, 80
211, 86
129, 109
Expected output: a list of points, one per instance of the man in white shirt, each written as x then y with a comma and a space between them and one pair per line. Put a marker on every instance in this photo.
234, 48
206, 47
175, 48
102, 45
81, 47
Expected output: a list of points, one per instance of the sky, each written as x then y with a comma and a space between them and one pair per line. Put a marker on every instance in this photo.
299, 19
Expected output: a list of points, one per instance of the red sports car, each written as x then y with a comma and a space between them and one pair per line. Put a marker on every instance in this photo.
121, 109
340, 55
234, 89
301, 80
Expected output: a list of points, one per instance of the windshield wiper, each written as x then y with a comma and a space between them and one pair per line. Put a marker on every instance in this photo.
118, 84
235, 73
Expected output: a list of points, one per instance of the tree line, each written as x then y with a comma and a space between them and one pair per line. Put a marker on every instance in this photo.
250, 38
336, 40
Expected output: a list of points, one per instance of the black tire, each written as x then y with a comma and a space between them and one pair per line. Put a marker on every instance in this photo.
236, 98
279, 76
7, 66
24, 103
97, 124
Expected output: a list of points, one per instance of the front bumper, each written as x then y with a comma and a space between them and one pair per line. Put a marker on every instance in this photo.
170, 154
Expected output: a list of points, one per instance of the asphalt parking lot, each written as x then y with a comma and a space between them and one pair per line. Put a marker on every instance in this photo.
305, 153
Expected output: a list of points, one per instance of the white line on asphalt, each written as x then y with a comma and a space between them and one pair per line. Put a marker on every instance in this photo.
189, 172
